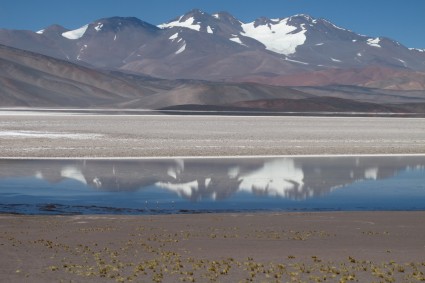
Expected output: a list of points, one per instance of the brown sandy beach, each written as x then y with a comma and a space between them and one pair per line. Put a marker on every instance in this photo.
287, 247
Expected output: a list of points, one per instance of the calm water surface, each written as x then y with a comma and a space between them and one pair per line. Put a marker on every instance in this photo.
162, 186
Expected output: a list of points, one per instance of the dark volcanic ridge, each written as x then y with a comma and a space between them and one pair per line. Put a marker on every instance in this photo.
325, 105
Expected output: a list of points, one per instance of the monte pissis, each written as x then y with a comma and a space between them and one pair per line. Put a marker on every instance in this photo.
210, 59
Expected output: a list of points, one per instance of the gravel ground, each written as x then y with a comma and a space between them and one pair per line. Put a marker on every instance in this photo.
288, 247
79, 135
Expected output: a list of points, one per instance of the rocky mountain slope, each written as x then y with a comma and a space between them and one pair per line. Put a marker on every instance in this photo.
29, 79
198, 45
207, 59
34, 80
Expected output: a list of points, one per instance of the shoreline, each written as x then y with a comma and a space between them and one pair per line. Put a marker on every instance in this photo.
126, 112
302, 246
214, 157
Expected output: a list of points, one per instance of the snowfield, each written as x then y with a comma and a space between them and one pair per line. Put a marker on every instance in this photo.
188, 23
374, 42
277, 37
75, 34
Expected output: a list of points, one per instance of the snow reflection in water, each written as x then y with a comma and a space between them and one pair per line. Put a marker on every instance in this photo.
212, 185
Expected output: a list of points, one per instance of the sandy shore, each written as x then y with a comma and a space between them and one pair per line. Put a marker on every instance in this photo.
77, 135
290, 247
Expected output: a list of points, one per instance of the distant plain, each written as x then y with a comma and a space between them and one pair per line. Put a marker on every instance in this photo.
48, 135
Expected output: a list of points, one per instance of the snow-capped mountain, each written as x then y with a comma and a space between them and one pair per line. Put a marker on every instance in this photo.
104, 42
218, 46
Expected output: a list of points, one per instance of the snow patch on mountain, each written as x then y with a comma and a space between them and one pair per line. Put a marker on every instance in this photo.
40, 31
402, 61
183, 48
417, 49
81, 52
174, 36
209, 29
296, 61
305, 16
336, 60
188, 23
237, 40
75, 34
98, 27
374, 42
277, 36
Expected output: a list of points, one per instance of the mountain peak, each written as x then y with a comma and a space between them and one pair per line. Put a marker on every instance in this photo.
53, 30
112, 24
191, 20
305, 16
115, 23
226, 47
196, 14
197, 20
298, 18
226, 17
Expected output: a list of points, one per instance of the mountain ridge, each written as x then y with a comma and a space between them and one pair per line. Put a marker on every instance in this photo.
197, 39
205, 59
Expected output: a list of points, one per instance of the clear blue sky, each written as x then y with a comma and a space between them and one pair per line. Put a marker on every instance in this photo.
402, 20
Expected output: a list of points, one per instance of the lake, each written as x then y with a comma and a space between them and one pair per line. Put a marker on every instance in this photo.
205, 185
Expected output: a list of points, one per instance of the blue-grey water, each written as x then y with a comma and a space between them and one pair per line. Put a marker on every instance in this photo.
163, 186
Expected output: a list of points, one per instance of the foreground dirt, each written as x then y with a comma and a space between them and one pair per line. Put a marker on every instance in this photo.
43, 135
292, 247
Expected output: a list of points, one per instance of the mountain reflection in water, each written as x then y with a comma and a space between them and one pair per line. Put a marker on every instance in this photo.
297, 178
